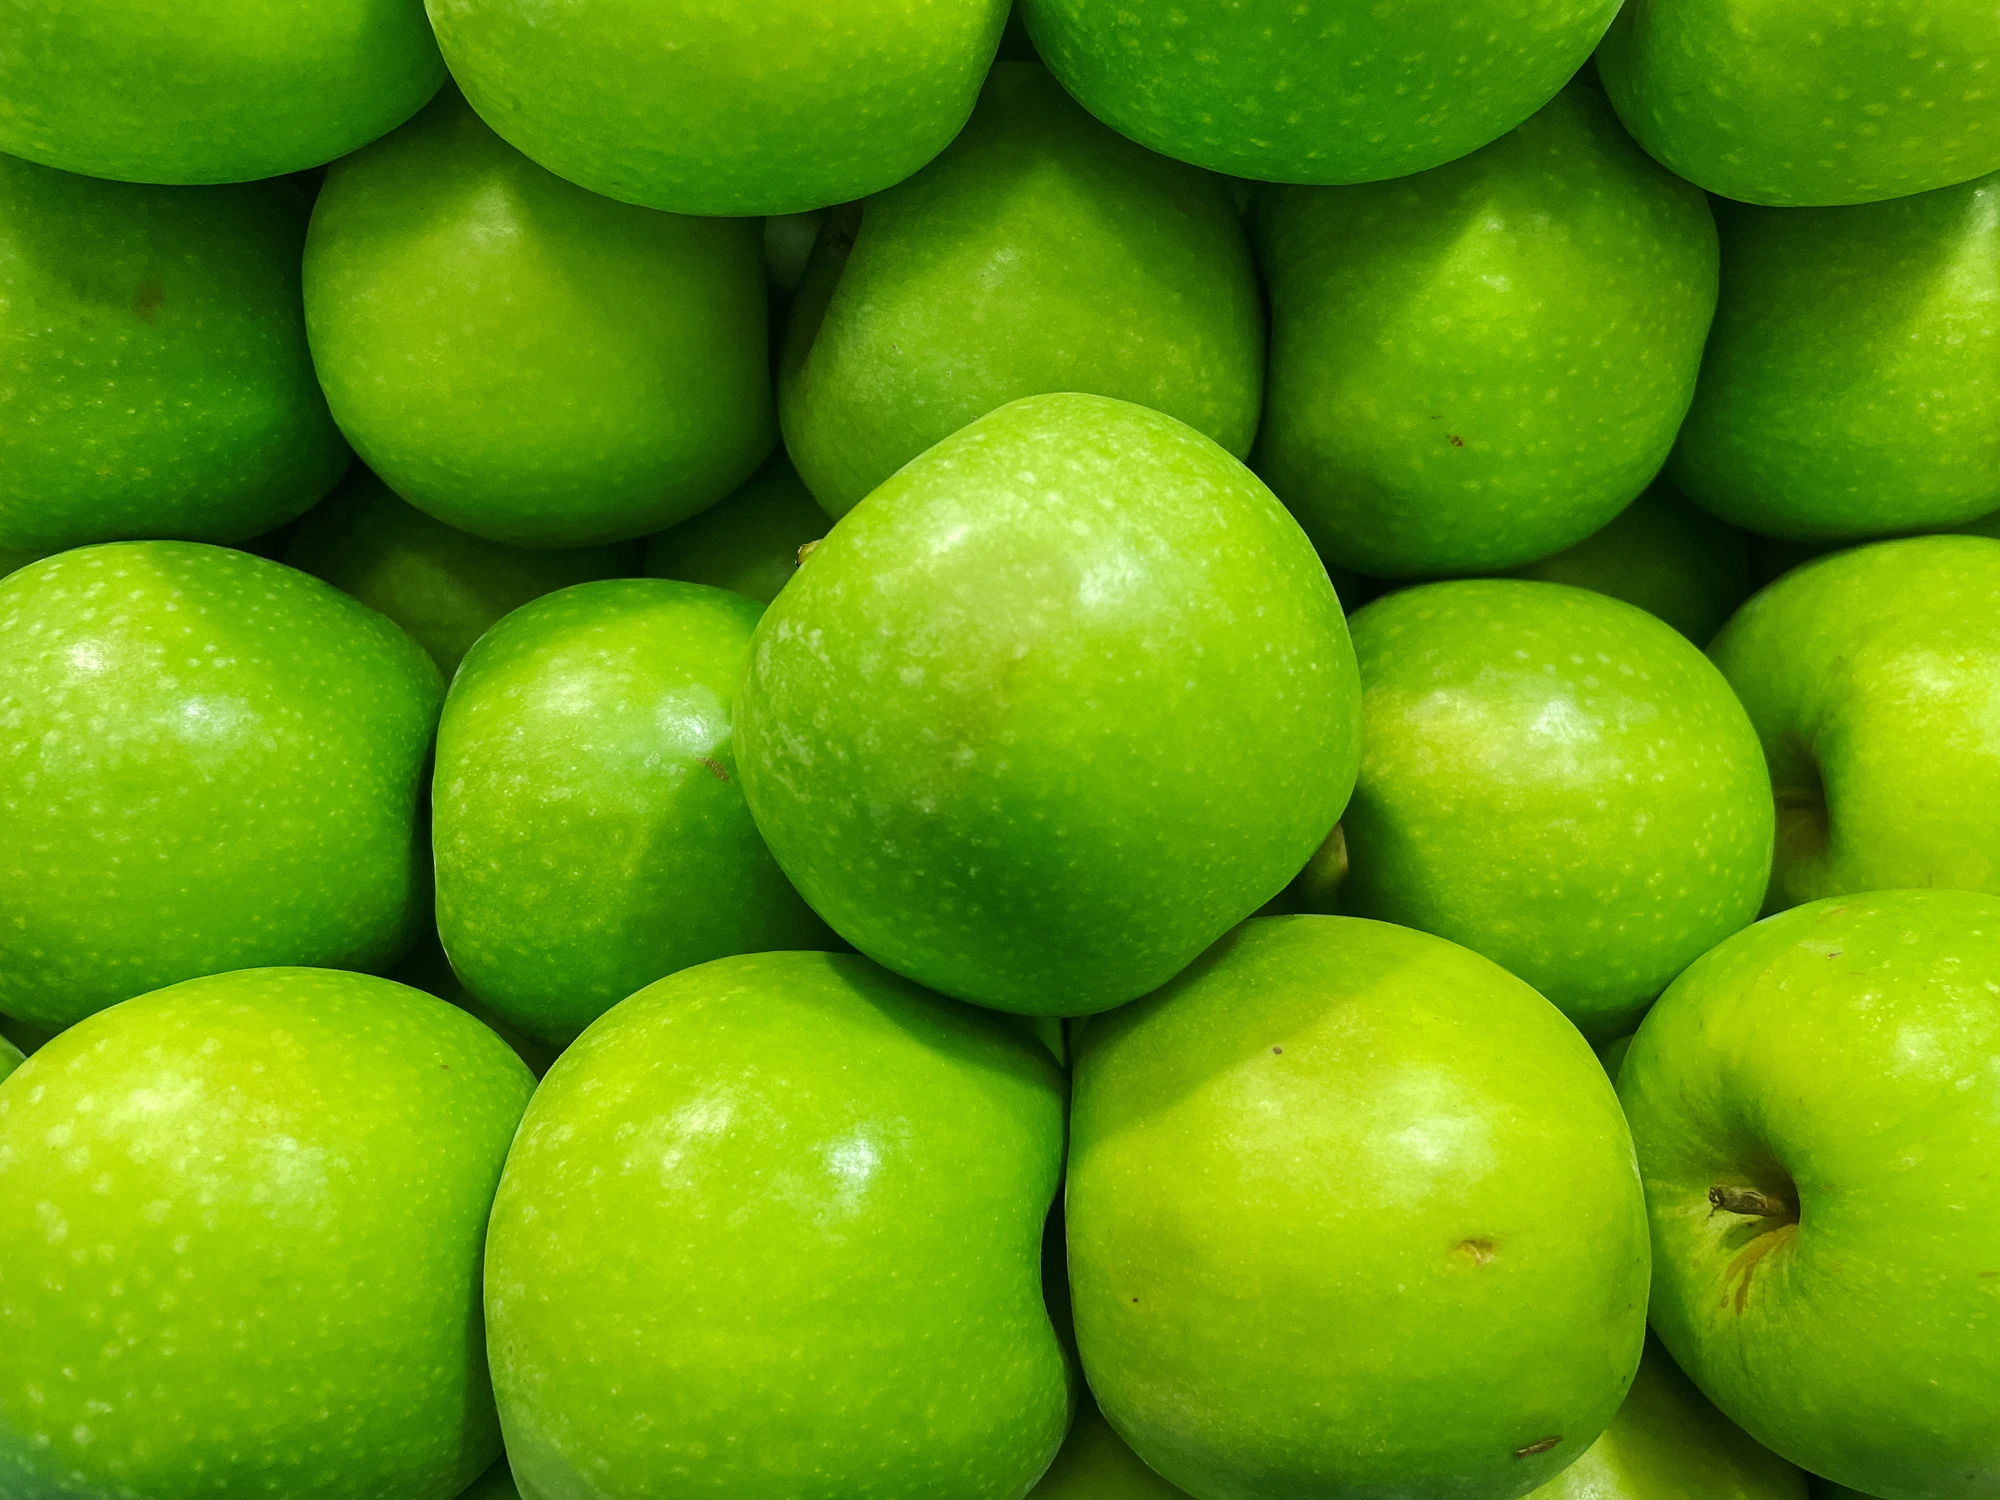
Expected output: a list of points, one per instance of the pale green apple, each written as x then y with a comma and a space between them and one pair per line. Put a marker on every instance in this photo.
1352, 1211
750, 541
1556, 780
772, 1228
1096, 1464
1817, 1111
240, 1253
1041, 252
217, 763
588, 826
1873, 676
1052, 709
1482, 364
527, 361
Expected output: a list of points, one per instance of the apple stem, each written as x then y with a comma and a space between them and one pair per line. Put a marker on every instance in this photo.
1747, 1201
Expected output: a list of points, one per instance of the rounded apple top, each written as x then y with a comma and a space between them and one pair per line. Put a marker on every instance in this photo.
260, 1201
1817, 1113
1405, 1149
1052, 709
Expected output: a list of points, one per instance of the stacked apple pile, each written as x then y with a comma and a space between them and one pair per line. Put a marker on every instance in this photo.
794, 578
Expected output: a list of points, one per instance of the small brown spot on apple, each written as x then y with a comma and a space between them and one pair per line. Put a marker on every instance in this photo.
715, 768
1454, 439
1540, 1445
1479, 1252
1277, 1052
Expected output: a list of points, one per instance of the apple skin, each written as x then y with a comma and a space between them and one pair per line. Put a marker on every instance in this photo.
1869, 675
153, 362
1096, 1464
1041, 252
1052, 709
444, 586
831, 1281
1482, 364
1851, 386
1317, 91
700, 107
588, 825
10, 1057
226, 763
1409, 1153
1668, 1443
1837, 1058
1556, 780
1794, 103
243, 1250
749, 542
208, 91
527, 361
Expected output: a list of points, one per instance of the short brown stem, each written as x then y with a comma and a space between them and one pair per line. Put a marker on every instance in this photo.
1747, 1201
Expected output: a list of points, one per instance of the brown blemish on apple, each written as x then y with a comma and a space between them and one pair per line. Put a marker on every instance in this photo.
1277, 1052
1746, 1201
1454, 439
1479, 1252
1540, 1445
715, 768
146, 299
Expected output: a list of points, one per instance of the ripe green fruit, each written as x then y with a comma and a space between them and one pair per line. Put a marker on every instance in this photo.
252, 1265
702, 107
1814, 1104
1794, 102
1558, 781
444, 586
1870, 676
1096, 1464
218, 768
1351, 1212
1483, 364
527, 361
154, 377
589, 830
1041, 252
207, 90
1852, 383
831, 1281
748, 542
1316, 90
1052, 709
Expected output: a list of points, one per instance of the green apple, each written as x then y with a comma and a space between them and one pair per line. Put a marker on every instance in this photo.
154, 376
1096, 1464
444, 586
497, 1483
206, 91
13, 559
1815, 1108
1482, 364
1041, 252
588, 826
1668, 1443
751, 541
241, 1249
24, 1037
1824, 1490
1558, 781
1052, 709
1871, 676
772, 1228
10, 1057
1315, 90
426, 968
1852, 384
1796, 102
709, 107
216, 765
1352, 1211
527, 361
1668, 557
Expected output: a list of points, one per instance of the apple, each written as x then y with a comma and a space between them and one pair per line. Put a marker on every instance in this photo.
1352, 1211
1814, 1104
1668, 1443
705, 108
1556, 780
588, 823
426, 968
444, 586
1315, 90
1795, 103
153, 361
1822, 1490
1041, 252
749, 542
1096, 1464
1482, 364
10, 1057
216, 765
1052, 709
240, 1233
773, 1227
1852, 384
527, 361
1870, 676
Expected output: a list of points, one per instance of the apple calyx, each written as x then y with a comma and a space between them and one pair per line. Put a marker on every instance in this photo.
1749, 1202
